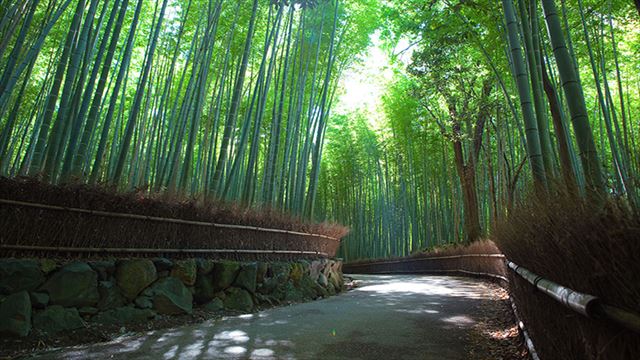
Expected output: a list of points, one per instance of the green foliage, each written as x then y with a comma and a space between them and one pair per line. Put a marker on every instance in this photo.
177, 96
453, 117
235, 100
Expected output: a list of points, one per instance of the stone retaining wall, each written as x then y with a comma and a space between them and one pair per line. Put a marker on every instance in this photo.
46, 297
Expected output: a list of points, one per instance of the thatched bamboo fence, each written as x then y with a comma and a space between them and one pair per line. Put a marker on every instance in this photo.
35, 228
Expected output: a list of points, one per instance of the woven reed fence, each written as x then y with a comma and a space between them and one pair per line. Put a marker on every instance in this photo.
29, 227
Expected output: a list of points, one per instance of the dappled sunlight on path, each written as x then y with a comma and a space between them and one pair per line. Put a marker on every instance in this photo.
401, 317
439, 286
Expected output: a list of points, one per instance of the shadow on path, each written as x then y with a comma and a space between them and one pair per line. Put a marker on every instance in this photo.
393, 317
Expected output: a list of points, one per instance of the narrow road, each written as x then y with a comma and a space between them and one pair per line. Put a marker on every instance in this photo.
388, 317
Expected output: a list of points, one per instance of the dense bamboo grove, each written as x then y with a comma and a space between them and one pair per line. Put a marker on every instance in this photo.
499, 100
218, 99
235, 101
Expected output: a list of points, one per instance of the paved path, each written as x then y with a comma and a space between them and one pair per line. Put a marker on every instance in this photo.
388, 317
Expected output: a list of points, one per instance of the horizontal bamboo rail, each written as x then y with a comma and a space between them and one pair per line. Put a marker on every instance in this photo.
578, 302
621, 317
585, 304
156, 251
160, 219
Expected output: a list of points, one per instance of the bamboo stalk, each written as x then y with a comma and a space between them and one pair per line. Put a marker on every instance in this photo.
534, 148
160, 219
574, 95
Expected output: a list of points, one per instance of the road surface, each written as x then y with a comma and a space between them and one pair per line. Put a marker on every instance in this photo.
387, 317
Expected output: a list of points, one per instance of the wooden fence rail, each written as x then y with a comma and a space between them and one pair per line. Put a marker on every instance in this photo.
160, 219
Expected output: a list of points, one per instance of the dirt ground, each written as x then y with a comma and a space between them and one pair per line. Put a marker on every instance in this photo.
496, 336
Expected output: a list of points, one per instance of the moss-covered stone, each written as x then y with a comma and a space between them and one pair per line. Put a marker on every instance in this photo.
110, 296
39, 300
143, 302
263, 267
322, 291
280, 271
170, 296
48, 265
224, 273
133, 276
247, 277
105, 269
205, 266
268, 286
309, 288
185, 270
56, 318
266, 300
292, 293
336, 280
74, 285
19, 274
204, 289
238, 299
214, 305
296, 273
322, 280
333, 274
15, 315
331, 289
162, 264
315, 268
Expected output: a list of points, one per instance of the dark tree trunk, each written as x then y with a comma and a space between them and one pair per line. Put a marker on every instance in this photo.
467, 174
560, 130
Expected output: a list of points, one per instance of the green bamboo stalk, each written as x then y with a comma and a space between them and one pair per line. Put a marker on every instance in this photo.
39, 152
235, 101
575, 100
142, 84
533, 138
124, 66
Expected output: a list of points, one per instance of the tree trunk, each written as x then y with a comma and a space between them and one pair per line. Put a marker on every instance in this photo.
467, 174
560, 130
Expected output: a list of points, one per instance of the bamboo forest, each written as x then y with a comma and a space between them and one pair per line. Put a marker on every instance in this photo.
357, 130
